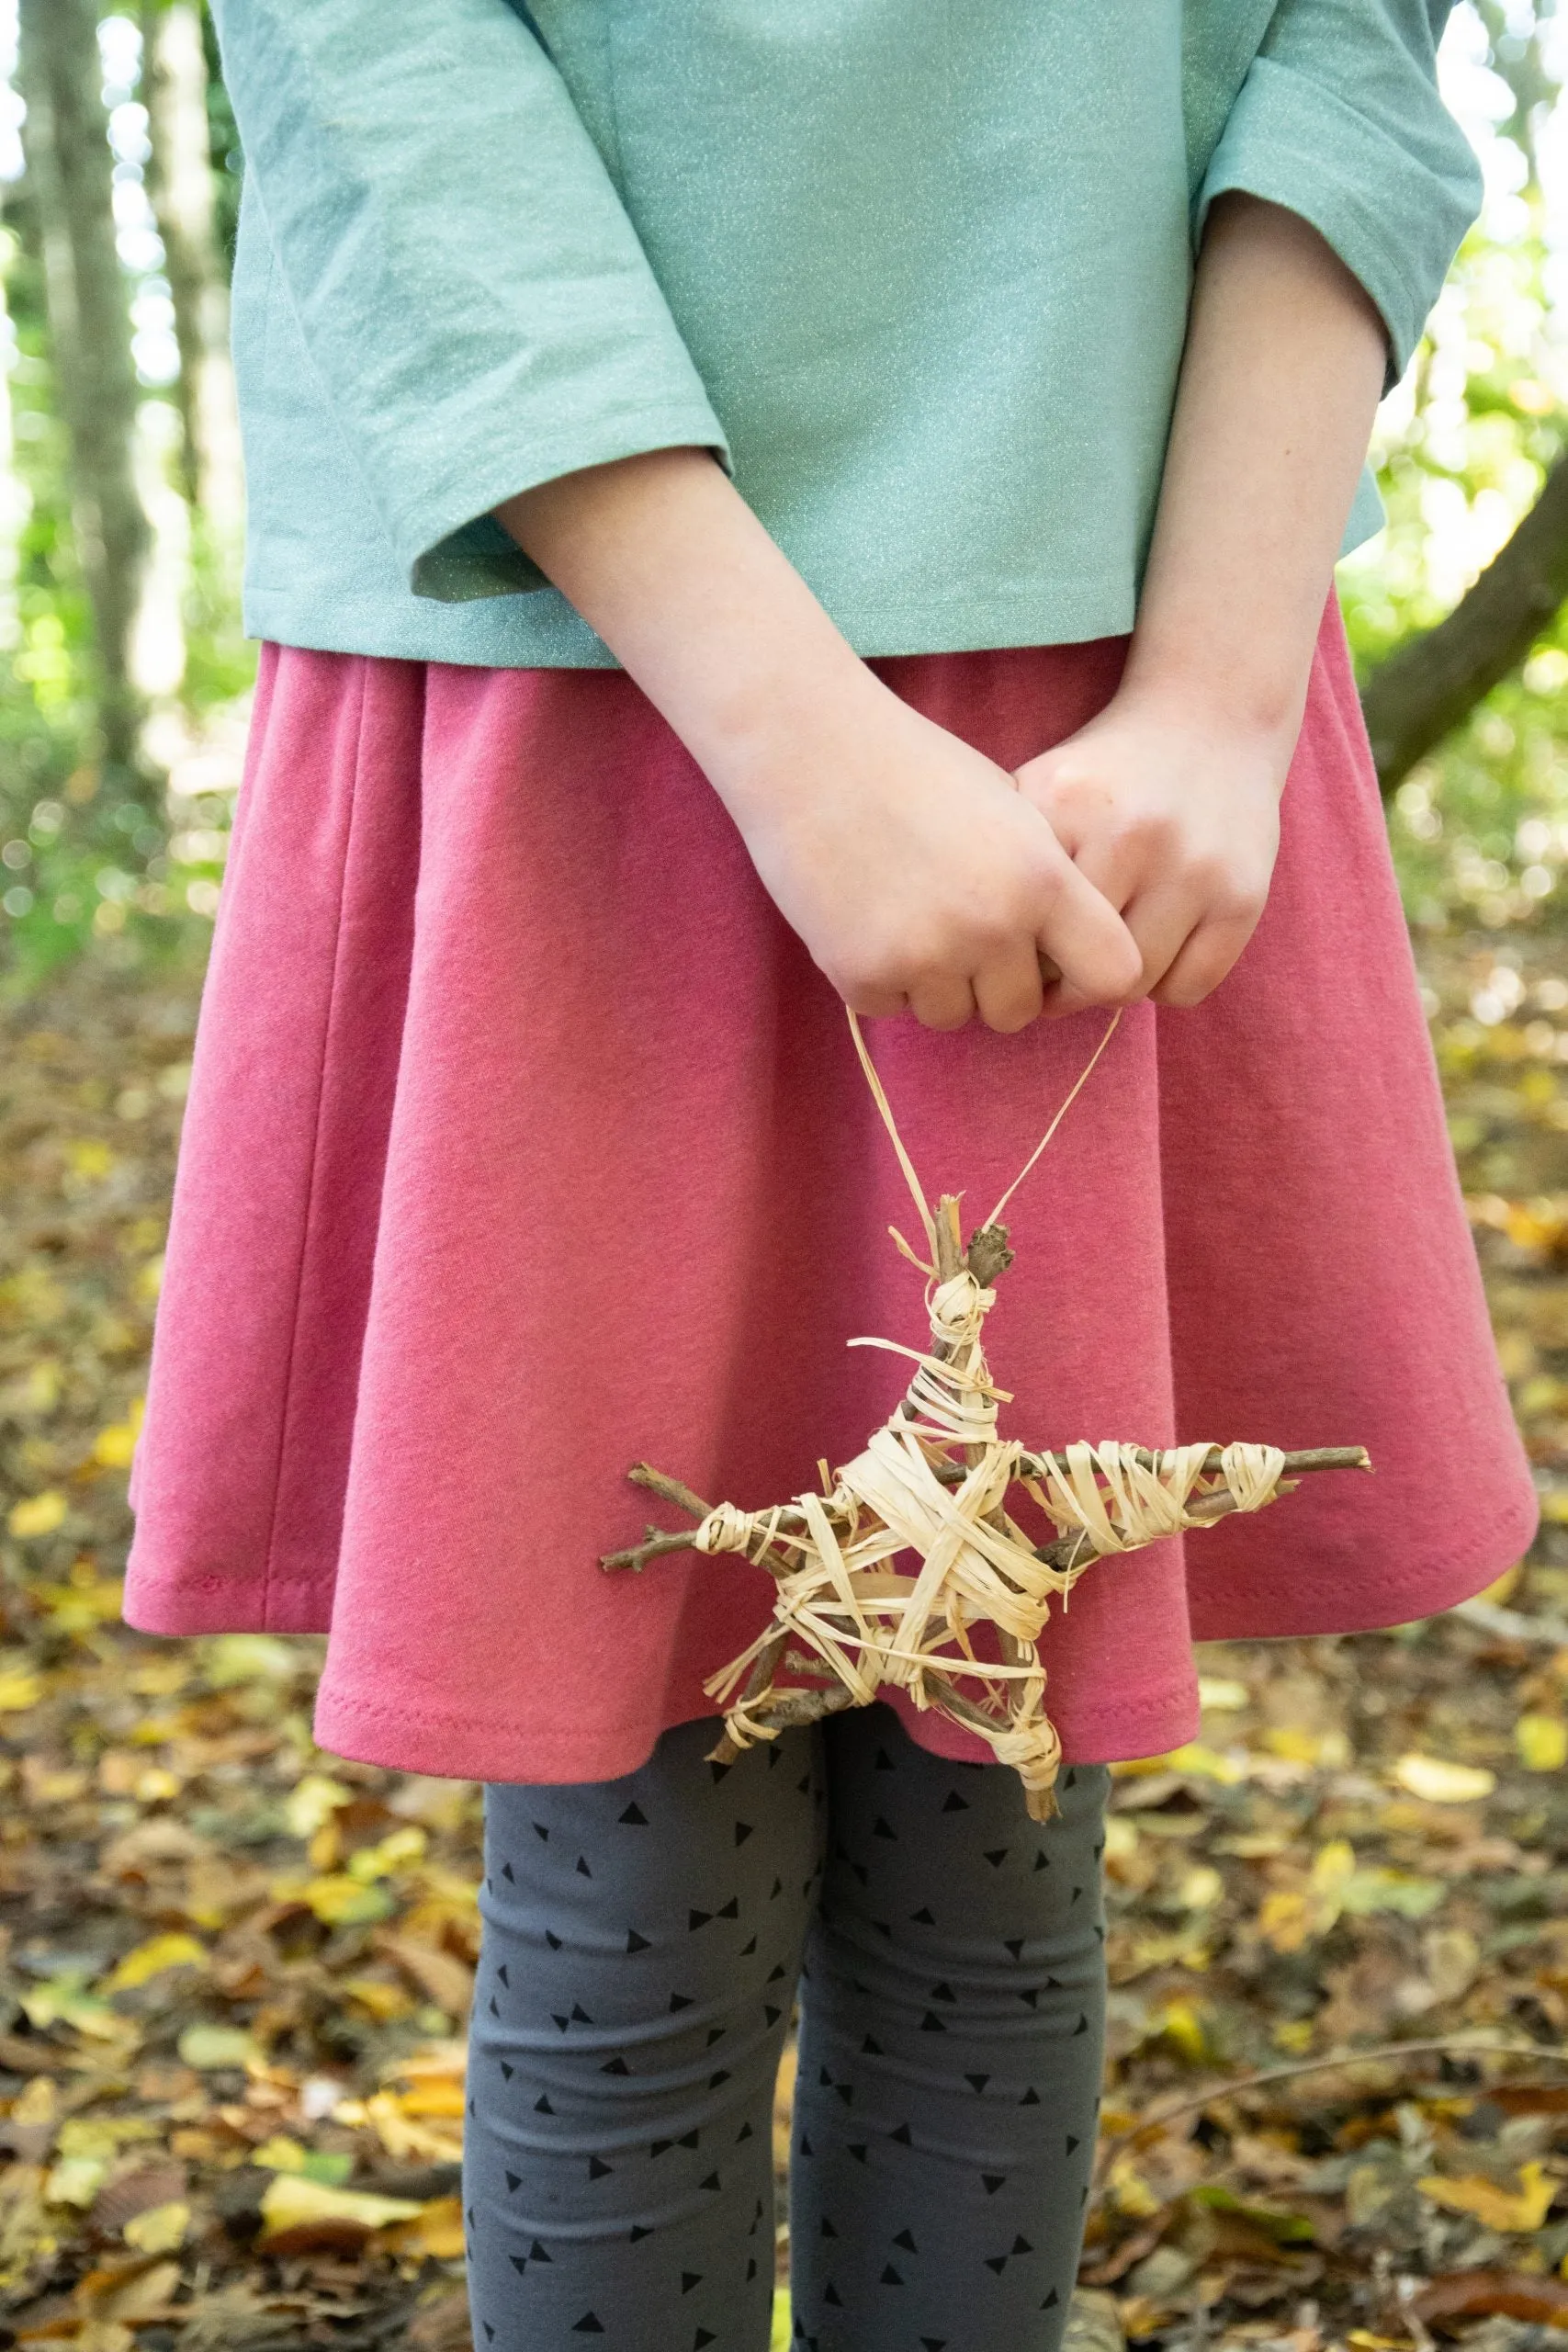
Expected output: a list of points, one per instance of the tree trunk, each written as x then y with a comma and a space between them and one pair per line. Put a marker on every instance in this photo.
66, 147
179, 181
1414, 698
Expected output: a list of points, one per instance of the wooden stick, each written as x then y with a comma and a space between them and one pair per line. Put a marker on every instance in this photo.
764, 1665
1061, 1553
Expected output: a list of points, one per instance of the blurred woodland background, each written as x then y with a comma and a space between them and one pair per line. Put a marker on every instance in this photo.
233, 1971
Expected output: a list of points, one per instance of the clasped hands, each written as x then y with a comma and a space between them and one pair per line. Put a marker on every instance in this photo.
1132, 860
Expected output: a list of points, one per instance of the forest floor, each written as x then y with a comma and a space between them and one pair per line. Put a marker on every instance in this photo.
233, 1971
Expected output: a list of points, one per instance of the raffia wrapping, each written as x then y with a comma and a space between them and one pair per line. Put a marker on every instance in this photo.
930, 1487
872, 1627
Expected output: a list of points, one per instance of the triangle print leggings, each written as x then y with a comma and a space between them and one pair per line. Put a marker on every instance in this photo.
643, 1938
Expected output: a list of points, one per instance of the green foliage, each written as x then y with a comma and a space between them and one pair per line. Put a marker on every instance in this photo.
1481, 827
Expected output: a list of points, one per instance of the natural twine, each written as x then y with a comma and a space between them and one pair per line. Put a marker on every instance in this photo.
871, 1628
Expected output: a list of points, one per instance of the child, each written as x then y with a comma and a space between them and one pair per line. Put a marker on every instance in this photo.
753, 504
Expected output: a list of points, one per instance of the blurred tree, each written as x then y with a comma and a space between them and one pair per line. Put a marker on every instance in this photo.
1424, 690
68, 159
180, 182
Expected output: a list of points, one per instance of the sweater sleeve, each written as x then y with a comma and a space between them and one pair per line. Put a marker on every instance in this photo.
1339, 120
468, 286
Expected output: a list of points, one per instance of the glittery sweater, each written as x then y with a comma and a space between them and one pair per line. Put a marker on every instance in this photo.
917, 270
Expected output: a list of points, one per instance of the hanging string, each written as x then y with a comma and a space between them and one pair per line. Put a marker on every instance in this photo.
882, 1104
880, 1098
1084, 1077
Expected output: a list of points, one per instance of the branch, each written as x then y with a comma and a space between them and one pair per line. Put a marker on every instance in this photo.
1419, 693
1063, 1554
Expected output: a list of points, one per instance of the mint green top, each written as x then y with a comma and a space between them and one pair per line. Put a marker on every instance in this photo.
917, 269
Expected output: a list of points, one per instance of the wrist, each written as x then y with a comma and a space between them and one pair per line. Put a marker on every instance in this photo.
1257, 714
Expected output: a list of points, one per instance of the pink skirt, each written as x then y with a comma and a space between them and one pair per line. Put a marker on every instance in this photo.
525, 1140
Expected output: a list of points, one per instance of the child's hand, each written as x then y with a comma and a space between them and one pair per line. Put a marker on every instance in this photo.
910, 864
913, 870
1175, 820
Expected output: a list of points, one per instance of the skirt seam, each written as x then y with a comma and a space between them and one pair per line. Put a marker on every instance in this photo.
307, 1221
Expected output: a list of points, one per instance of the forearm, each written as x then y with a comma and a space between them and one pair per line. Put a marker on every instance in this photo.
663, 558
914, 873
1279, 383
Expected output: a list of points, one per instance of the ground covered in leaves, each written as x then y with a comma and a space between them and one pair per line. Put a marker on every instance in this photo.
234, 1972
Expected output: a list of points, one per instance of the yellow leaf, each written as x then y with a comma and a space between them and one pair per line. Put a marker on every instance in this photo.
19, 1691
1333, 1865
206, 2047
114, 1446
280, 2153
1524, 2208
1130, 2193
160, 2229
75, 2181
293, 2201
435, 2232
1179, 2023
38, 1514
311, 1803
1200, 1762
435, 2098
339, 1901
38, 2104
383, 2001
88, 1158
1542, 1743
149, 1960
129, 2294
1289, 1917
1219, 1694
404, 2136
1293, 1742
1285, 1919
400, 1845
1436, 1781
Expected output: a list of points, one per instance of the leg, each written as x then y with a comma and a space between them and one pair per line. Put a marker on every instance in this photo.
641, 1943
950, 2053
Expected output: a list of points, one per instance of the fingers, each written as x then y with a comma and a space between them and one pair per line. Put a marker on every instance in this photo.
943, 1001
1088, 942
1201, 962
1008, 993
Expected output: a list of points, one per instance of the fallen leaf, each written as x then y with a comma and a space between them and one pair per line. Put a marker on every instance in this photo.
1476, 2294
447, 1981
1525, 2207
149, 1959
38, 1514
160, 2229
208, 2047
1543, 1742
339, 1901
434, 2234
128, 2291
1436, 1781
294, 2206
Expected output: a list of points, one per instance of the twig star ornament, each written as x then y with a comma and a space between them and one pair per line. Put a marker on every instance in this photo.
882, 1575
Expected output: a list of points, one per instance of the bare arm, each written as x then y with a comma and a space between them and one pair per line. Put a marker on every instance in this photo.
1168, 800
911, 866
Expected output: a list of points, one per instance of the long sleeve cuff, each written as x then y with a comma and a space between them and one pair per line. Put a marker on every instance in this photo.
1392, 203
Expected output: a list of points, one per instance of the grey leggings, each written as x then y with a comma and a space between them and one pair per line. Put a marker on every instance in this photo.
642, 1941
